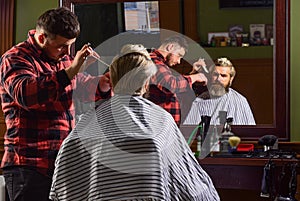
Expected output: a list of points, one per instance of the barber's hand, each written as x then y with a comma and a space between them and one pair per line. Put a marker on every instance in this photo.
91, 58
78, 61
105, 84
198, 66
199, 77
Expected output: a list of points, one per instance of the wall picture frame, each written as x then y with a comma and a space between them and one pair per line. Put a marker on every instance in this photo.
257, 30
235, 29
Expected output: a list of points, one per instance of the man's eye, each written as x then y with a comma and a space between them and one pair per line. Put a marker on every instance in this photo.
62, 47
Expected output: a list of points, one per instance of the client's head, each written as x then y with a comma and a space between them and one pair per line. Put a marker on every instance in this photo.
131, 70
222, 75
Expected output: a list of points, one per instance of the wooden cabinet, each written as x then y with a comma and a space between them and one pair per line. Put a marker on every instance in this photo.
241, 178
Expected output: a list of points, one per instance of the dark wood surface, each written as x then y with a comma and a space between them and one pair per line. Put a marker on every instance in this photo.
241, 178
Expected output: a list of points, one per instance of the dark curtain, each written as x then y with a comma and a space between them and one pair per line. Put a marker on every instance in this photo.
6, 24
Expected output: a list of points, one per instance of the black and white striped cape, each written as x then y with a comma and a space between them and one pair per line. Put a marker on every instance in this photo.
235, 104
128, 149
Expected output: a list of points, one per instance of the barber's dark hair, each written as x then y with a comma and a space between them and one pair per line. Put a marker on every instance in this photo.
60, 21
176, 39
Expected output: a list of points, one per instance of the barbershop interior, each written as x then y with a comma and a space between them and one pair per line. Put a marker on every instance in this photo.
255, 161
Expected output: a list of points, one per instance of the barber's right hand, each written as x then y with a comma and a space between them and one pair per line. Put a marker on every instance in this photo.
79, 59
199, 77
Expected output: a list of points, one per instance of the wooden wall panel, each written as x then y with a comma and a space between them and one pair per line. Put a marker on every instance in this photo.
254, 79
169, 15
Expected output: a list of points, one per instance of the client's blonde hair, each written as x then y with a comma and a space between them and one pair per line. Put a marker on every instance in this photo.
131, 70
225, 62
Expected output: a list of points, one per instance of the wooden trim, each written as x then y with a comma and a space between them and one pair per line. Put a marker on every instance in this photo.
170, 21
190, 20
6, 42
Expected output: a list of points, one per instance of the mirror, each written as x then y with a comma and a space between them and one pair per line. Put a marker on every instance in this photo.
185, 19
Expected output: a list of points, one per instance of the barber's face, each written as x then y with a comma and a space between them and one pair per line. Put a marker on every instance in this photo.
58, 47
174, 56
221, 81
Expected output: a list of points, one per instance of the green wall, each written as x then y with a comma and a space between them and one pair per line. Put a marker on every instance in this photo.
27, 11
213, 19
295, 70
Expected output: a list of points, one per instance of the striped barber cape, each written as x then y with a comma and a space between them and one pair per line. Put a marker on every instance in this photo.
128, 148
233, 103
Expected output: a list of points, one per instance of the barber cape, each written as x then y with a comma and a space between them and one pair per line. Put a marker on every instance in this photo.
232, 103
128, 148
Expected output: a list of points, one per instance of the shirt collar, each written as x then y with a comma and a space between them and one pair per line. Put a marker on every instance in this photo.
158, 54
33, 43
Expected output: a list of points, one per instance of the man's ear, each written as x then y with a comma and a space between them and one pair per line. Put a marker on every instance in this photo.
41, 38
231, 80
169, 47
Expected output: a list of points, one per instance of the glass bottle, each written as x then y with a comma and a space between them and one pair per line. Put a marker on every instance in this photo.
226, 133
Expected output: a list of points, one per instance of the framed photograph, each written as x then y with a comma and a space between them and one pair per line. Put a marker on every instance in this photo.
257, 30
235, 29
217, 34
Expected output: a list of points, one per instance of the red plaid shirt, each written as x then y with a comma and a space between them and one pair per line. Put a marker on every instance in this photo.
36, 99
166, 85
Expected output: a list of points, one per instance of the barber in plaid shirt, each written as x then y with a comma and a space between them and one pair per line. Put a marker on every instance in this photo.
166, 85
37, 81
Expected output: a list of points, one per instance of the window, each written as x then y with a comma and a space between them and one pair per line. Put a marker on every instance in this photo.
130, 5
141, 16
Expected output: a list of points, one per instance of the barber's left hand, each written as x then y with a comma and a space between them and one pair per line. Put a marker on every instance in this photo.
198, 66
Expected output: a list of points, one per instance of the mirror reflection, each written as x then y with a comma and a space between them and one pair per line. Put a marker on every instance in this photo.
234, 26
221, 101
243, 33
257, 63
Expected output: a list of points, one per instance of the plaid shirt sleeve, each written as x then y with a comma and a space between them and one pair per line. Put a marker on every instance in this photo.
20, 80
88, 88
169, 79
32, 87
165, 85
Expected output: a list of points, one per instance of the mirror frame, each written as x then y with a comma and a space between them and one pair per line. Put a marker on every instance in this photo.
281, 68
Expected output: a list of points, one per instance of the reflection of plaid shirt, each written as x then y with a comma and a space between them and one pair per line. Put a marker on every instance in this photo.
164, 86
36, 98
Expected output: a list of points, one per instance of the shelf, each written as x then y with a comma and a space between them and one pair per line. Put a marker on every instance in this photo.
240, 52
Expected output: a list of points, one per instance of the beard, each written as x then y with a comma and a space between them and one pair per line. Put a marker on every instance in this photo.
169, 60
218, 90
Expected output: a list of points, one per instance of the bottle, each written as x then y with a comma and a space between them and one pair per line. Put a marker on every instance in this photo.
199, 140
233, 42
226, 133
213, 41
214, 143
201, 135
198, 151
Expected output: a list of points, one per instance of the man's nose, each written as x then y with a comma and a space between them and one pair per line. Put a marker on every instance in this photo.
68, 50
219, 78
179, 60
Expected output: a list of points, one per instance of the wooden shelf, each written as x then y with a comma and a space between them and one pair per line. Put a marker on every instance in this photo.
251, 52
